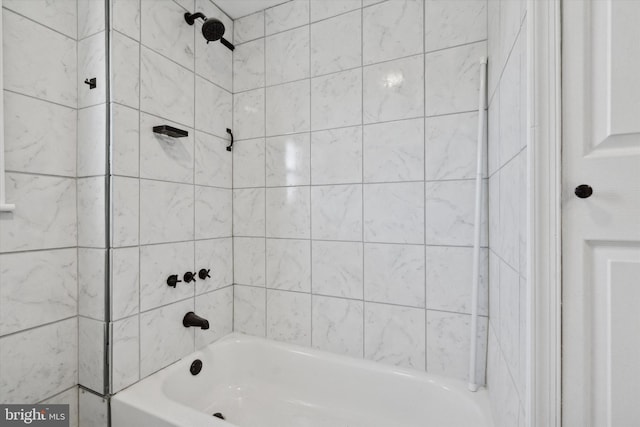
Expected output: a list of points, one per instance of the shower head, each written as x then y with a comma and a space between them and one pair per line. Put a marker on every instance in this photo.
212, 28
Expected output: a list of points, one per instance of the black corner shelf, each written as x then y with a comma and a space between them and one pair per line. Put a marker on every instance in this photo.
170, 131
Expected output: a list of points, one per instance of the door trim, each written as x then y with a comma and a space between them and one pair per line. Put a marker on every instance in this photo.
544, 134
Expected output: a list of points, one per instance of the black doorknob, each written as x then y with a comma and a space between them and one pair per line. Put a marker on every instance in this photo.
584, 191
189, 277
203, 273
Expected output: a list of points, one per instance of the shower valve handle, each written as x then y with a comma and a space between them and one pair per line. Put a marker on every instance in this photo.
204, 273
189, 277
173, 280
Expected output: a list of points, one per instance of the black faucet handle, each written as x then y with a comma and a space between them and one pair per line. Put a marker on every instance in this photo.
204, 273
189, 277
173, 280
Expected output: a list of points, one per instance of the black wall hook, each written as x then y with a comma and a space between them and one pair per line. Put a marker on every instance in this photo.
230, 146
91, 82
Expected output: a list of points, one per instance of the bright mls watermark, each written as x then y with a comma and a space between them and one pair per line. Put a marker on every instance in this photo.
34, 415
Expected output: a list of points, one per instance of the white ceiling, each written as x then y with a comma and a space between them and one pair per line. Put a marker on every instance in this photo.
239, 8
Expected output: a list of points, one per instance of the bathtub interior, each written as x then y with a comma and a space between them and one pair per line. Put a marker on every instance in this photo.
254, 382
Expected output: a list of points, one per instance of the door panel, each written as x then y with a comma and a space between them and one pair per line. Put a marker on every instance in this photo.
601, 234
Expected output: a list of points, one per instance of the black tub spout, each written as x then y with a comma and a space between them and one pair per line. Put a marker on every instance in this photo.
192, 319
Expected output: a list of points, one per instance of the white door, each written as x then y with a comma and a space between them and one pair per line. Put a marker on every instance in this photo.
601, 233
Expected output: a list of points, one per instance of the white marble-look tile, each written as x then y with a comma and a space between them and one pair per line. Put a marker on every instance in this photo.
450, 210
214, 213
493, 133
215, 255
93, 410
394, 274
285, 16
92, 143
494, 67
125, 17
288, 160
249, 66
494, 291
37, 287
248, 28
45, 214
248, 114
249, 163
249, 212
287, 56
37, 61
452, 23
125, 211
46, 145
166, 212
510, 25
337, 100
452, 82
449, 279
336, 43
91, 63
451, 146
394, 213
48, 353
495, 231
68, 397
125, 70
125, 141
165, 31
213, 108
504, 395
91, 212
509, 211
249, 310
249, 261
125, 355
125, 282
166, 87
163, 339
90, 17
91, 353
394, 151
288, 107
523, 217
289, 317
509, 335
510, 110
523, 332
448, 340
214, 61
392, 30
338, 325
91, 283
336, 156
394, 335
288, 212
157, 263
217, 308
337, 269
164, 157
289, 265
61, 15
367, 3
337, 212
322, 9
213, 161
394, 90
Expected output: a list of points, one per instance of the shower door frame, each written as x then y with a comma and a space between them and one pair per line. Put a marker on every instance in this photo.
544, 130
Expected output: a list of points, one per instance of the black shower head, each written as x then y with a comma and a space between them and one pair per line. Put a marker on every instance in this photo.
212, 30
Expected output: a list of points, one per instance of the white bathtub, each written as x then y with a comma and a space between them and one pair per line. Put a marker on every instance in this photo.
255, 382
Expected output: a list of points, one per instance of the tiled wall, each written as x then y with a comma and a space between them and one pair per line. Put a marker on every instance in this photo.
171, 198
38, 241
353, 178
507, 210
